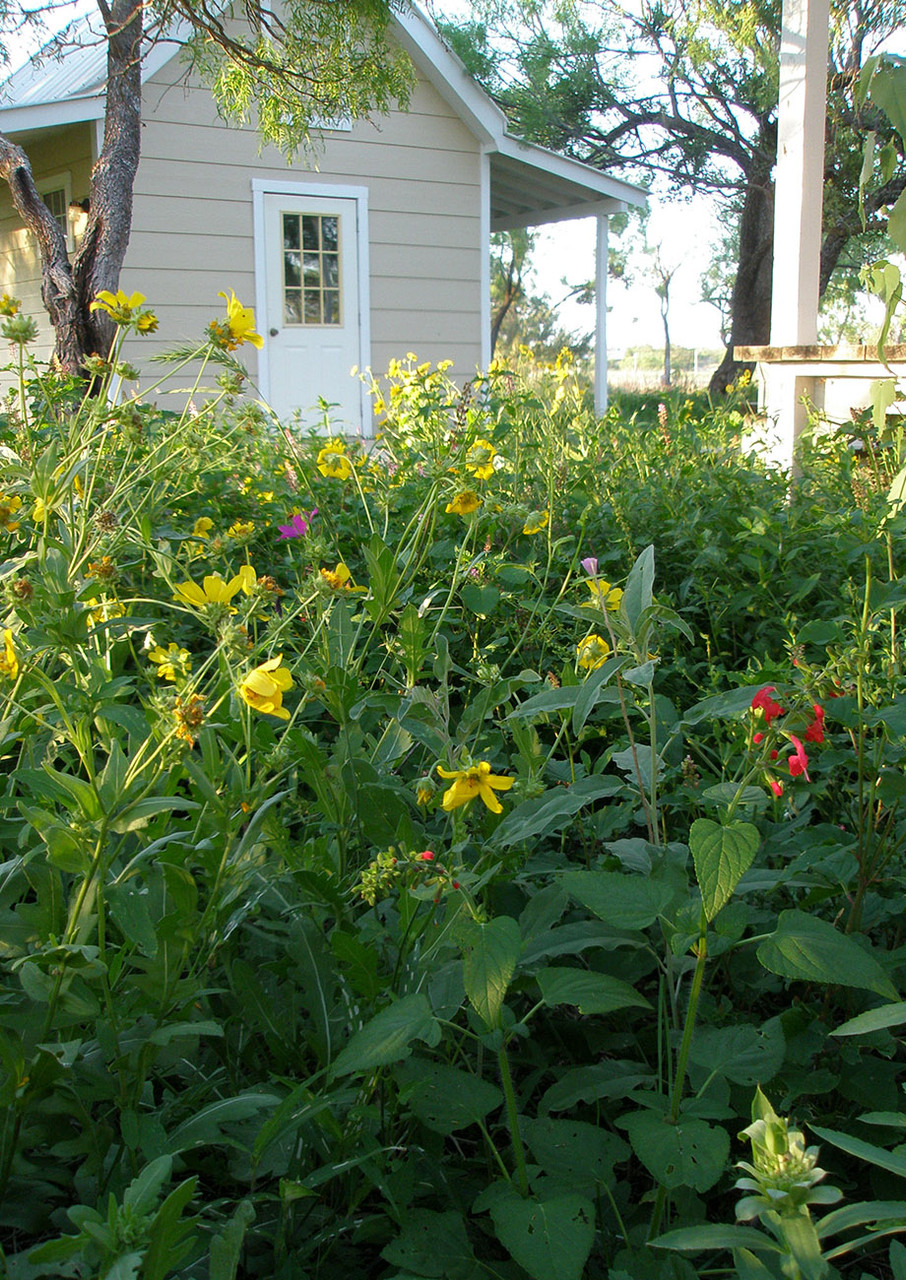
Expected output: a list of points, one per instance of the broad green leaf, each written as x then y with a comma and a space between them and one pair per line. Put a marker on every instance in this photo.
589, 992
480, 600
490, 954
892, 1161
689, 1153
807, 949
551, 811
226, 1246
432, 1244
714, 1236
206, 1127
883, 393
129, 908
721, 706
551, 1239
570, 940
888, 91
745, 1054
637, 594
623, 901
576, 1154
445, 1098
722, 856
612, 1079
861, 1214
593, 690
886, 1015
389, 1035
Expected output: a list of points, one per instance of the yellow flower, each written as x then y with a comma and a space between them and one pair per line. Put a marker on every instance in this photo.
240, 324
171, 660
340, 578
241, 529
8, 508
9, 306
9, 661
477, 780
203, 526
104, 610
332, 460
263, 688
603, 595
464, 503
591, 652
480, 459
189, 717
214, 590
535, 521
39, 511
119, 306
146, 322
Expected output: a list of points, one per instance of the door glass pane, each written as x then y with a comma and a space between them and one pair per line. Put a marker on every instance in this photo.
311, 269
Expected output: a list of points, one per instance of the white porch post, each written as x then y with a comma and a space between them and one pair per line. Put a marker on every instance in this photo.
797, 204
601, 264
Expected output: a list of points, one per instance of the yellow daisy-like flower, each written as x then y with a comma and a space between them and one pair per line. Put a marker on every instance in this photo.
214, 590
171, 661
603, 595
202, 527
40, 511
340, 579
477, 780
464, 503
264, 687
332, 461
120, 306
8, 508
240, 325
9, 660
535, 521
480, 459
9, 306
146, 322
241, 529
105, 610
591, 652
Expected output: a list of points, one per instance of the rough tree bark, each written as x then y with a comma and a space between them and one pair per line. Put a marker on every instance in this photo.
67, 288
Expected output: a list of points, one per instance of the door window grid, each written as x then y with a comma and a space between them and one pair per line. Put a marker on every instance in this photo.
58, 205
311, 269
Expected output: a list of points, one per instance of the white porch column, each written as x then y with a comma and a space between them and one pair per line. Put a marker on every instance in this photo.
601, 265
798, 194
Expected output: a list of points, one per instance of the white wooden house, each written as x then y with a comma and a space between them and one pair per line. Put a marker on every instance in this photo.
381, 249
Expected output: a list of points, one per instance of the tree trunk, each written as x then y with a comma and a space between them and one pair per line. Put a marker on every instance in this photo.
67, 289
751, 304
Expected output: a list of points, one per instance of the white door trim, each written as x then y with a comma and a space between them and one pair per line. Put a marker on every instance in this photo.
262, 187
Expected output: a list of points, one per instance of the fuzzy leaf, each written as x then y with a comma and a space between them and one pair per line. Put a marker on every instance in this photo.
722, 856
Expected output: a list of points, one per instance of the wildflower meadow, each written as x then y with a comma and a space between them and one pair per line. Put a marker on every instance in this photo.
476, 854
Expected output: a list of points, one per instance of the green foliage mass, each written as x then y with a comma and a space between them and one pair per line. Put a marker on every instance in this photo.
415, 858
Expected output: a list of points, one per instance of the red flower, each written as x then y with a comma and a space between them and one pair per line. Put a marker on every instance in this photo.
776, 787
774, 755
427, 856
757, 737
815, 731
765, 703
798, 763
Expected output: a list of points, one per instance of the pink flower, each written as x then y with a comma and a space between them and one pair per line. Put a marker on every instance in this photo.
298, 525
765, 703
590, 565
798, 763
815, 731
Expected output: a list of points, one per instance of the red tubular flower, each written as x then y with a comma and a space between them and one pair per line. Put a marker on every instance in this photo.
765, 703
757, 737
815, 731
798, 763
776, 787
427, 856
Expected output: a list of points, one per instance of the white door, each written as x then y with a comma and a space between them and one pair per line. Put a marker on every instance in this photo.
313, 328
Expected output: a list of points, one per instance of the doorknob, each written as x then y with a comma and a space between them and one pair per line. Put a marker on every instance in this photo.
273, 332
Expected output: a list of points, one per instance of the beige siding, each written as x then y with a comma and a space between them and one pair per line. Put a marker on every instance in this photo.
193, 212
64, 151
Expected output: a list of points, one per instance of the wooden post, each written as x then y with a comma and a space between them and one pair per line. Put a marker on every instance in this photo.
601, 264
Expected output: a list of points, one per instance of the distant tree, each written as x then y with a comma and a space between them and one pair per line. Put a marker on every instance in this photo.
520, 318
286, 66
685, 91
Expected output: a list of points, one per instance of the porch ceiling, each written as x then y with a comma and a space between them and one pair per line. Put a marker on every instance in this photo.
527, 189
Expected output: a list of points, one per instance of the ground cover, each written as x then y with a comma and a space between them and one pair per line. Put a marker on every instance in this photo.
425, 861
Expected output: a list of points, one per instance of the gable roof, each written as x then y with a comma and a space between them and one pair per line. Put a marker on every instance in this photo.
529, 185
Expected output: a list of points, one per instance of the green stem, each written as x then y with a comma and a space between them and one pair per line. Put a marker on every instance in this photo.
512, 1115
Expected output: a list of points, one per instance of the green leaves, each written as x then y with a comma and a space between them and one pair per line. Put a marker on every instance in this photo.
589, 992
388, 1036
490, 954
807, 949
722, 856
550, 1238
623, 901
689, 1153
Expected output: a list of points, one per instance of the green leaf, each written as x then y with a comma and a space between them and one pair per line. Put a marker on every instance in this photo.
883, 393
551, 1239
623, 901
130, 911
480, 600
722, 856
589, 992
708, 1236
206, 1127
446, 1099
689, 1153
744, 1054
490, 953
551, 811
892, 1161
807, 949
721, 706
578, 1155
433, 1244
226, 1247
886, 1015
388, 1036
593, 690
637, 594
888, 91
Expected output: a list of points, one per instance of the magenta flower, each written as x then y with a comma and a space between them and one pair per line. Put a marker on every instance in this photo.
298, 525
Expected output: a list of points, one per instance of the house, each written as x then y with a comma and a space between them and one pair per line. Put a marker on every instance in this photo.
382, 249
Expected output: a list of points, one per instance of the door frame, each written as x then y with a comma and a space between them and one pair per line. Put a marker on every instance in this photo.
262, 187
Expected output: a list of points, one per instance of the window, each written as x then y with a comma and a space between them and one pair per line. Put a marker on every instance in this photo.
56, 192
311, 269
